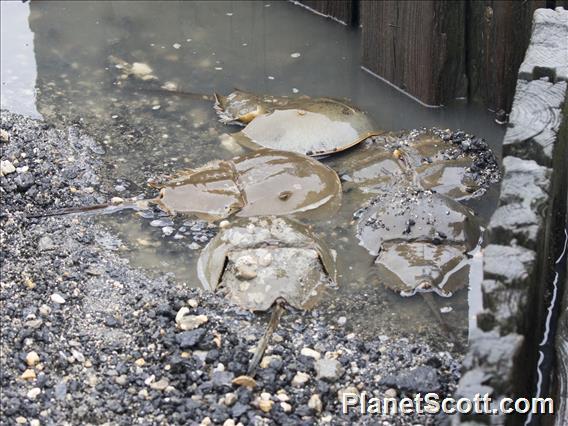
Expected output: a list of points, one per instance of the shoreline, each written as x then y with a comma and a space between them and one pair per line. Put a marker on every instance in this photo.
105, 335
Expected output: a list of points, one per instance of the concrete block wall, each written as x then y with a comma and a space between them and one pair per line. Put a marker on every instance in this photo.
526, 233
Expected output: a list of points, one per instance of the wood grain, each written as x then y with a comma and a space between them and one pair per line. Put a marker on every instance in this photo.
535, 119
416, 45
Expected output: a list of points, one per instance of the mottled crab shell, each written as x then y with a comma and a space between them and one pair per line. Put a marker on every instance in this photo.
433, 163
257, 261
313, 127
264, 182
421, 241
409, 214
426, 154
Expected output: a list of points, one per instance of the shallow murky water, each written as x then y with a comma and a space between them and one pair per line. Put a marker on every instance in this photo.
269, 47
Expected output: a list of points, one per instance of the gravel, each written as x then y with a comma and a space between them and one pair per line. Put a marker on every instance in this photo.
88, 339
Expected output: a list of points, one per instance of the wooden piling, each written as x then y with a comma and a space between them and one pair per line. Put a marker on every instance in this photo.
439, 50
417, 46
497, 36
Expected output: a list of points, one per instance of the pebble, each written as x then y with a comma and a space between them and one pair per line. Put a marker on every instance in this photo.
32, 358
78, 355
194, 246
246, 381
229, 422
246, 272
224, 224
265, 405
161, 384
159, 223
300, 379
191, 322
44, 310
391, 393
6, 168
295, 55
230, 399
28, 374
57, 298
265, 259
46, 243
140, 362
341, 321
4, 135
34, 422
287, 408
348, 390
116, 200
168, 230
328, 369
184, 310
140, 69
190, 338
34, 324
309, 352
33, 393
315, 403
121, 380
266, 360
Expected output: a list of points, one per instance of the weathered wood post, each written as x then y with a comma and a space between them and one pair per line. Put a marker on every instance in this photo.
498, 33
417, 46
439, 50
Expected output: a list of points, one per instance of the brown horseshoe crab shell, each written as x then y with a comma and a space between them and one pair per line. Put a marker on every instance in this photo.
265, 182
313, 127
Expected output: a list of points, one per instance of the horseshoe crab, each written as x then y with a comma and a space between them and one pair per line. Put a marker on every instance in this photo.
311, 126
421, 240
430, 157
265, 263
265, 182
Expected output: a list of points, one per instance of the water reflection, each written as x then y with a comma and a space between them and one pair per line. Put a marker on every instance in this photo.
18, 65
266, 47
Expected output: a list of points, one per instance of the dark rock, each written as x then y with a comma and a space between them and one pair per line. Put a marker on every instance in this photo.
239, 409
222, 378
188, 339
24, 181
421, 379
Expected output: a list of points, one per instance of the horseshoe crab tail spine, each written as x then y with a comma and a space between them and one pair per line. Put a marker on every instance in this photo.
277, 312
429, 299
110, 208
